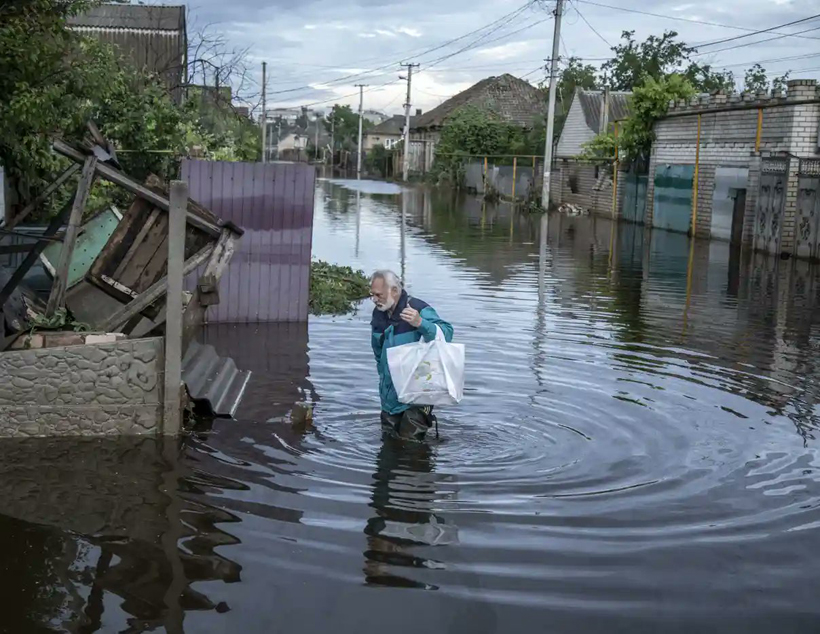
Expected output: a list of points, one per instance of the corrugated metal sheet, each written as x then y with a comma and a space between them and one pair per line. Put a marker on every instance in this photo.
268, 278
213, 381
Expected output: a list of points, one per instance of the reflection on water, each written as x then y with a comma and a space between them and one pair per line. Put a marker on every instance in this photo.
636, 452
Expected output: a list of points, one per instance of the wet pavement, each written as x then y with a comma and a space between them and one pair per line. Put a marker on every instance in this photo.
636, 452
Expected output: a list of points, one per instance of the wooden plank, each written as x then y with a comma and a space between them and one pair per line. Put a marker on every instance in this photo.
106, 172
119, 243
137, 241
56, 299
6, 249
145, 252
155, 267
172, 418
42, 197
151, 295
194, 315
37, 249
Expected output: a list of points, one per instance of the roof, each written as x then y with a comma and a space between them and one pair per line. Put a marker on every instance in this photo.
393, 125
514, 100
131, 16
592, 100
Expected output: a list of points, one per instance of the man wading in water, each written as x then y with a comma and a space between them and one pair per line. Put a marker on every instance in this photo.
399, 319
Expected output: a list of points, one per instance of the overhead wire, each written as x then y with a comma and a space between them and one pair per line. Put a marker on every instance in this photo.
592, 28
760, 32
744, 45
492, 25
682, 19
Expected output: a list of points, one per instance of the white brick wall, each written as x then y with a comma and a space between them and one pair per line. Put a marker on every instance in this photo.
728, 139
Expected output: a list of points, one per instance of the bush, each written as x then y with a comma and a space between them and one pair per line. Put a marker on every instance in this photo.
334, 290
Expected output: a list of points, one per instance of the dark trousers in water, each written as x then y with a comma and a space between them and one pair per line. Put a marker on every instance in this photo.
412, 423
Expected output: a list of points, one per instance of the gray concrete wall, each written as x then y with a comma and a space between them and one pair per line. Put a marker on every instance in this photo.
790, 124
92, 390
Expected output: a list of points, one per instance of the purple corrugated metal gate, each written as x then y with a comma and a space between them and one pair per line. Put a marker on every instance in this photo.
269, 276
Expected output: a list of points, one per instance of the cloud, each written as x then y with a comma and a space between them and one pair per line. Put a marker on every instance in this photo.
385, 33
406, 30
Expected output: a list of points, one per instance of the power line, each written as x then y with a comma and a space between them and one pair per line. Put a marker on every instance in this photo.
771, 39
509, 17
769, 30
681, 19
770, 60
592, 28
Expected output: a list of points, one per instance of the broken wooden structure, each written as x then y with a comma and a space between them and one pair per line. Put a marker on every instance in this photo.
122, 291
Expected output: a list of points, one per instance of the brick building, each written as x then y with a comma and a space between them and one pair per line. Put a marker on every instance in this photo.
757, 166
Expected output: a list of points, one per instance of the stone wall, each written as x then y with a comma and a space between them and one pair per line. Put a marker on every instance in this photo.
91, 390
728, 139
588, 185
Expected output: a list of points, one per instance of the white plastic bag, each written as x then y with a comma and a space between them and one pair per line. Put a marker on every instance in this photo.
428, 373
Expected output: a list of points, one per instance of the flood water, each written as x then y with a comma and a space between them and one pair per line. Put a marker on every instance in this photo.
636, 452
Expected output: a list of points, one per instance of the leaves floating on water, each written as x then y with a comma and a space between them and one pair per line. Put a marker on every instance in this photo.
334, 290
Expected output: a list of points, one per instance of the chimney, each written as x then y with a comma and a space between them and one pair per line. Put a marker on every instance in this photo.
418, 112
604, 112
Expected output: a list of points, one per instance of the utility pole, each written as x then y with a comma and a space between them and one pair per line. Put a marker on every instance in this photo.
556, 42
406, 166
316, 142
332, 140
264, 113
359, 146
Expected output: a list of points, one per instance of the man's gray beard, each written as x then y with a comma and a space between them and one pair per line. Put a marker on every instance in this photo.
385, 307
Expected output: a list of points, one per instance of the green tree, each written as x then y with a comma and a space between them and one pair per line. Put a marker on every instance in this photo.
658, 57
649, 102
347, 126
655, 57
779, 83
474, 132
756, 79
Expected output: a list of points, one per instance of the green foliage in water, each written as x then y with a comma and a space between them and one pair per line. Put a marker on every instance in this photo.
334, 290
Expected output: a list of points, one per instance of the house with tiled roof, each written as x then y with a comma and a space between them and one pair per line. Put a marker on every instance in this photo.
388, 132
152, 37
513, 100
587, 118
574, 180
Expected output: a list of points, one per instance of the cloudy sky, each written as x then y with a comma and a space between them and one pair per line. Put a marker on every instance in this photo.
317, 50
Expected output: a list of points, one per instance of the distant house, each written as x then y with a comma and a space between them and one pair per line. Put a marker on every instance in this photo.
153, 37
387, 133
513, 100
575, 181
585, 119
288, 115
374, 116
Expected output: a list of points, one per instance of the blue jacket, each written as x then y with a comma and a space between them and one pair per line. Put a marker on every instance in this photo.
390, 330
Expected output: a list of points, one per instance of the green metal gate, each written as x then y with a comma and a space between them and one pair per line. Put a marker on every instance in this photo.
673, 197
634, 205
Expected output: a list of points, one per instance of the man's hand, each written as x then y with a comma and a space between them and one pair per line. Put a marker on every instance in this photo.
411, 316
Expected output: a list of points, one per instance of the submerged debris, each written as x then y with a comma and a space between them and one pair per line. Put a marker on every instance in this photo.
334, 290
572, 210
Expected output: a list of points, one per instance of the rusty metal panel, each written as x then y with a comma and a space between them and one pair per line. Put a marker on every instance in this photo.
268, 278
771, 204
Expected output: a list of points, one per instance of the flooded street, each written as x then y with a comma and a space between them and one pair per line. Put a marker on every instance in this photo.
636, 452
